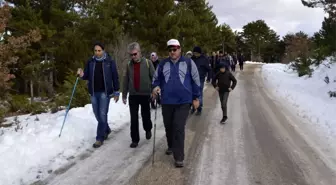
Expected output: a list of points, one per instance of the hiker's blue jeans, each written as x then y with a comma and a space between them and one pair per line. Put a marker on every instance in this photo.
100, 105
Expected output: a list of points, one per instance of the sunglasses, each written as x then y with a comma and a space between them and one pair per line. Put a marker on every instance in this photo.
133, 54
172, 50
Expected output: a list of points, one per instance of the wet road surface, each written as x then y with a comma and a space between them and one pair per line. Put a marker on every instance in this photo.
257, 146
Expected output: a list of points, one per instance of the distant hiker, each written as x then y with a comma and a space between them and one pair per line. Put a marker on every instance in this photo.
212, 61
224, 82
241, 61
138, 83
155, 60
203, 67
103, 83
234, 62
178, 81
189, 54
222, 60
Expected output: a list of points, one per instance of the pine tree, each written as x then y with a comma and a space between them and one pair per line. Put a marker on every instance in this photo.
10, 46
152, 23
258, 36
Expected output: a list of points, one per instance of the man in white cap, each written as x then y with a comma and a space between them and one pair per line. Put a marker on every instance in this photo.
177, 79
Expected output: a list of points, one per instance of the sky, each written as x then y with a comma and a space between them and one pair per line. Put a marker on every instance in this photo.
283, 16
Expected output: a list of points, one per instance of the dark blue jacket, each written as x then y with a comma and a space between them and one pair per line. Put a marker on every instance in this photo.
203, 66
179, 82
110, 73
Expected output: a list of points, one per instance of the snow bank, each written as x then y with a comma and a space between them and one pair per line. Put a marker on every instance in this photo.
308, 95
252, 62
36, 148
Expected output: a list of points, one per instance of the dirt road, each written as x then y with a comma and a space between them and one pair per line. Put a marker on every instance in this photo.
259, 144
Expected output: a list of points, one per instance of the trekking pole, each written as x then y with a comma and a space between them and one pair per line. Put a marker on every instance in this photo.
68, 108
155, 115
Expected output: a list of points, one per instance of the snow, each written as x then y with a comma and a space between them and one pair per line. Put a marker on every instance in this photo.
253, 62
308, 96
26, 155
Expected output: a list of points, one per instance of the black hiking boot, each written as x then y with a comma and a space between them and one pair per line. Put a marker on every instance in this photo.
179, 164
223, 121
97, 144
134, 145
169, 151
107, 134
148, 135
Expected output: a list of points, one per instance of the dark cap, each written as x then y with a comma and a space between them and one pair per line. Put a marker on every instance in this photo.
197, 49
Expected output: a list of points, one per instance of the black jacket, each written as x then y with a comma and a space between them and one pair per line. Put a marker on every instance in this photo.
203, 66
156, 63
223, 81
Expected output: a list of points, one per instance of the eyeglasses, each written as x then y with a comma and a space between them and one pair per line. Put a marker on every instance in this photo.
133, 54
97, 50
172, 50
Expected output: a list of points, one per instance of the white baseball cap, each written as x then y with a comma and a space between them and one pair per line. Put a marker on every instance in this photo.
173, 42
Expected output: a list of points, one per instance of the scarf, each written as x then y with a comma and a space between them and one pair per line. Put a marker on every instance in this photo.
101, 58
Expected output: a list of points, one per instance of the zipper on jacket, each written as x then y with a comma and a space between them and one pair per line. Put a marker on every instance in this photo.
103, 66
94, 67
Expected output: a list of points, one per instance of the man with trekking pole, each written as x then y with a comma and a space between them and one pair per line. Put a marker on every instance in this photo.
177, 80
103, 83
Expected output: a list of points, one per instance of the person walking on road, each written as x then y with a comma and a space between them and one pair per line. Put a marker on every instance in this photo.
212, 61
222, 59
224, 82
234, 62
203, 67
103, 83
155, 60
138, 83
241, 62
178, 81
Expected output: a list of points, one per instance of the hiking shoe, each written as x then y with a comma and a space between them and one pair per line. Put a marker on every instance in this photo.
223, 120
97, 144
148, 135
134, 145
107, 134
179, 164
169, 151
192, 111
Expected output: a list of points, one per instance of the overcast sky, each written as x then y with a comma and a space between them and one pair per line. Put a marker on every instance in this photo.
283, 16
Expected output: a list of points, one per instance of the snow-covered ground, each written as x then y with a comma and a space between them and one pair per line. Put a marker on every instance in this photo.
33, 150
309, 97
253, 62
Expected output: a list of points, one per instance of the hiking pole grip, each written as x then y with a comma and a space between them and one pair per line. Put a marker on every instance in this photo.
68, 108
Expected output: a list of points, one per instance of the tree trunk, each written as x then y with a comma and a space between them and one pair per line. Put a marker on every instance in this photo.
25, 85
49, 79
31, 91
51, 83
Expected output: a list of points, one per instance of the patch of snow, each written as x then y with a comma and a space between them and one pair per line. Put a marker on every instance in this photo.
309, 96
253, 62
29, 152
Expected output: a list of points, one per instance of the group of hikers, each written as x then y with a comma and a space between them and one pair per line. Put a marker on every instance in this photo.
175, 83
